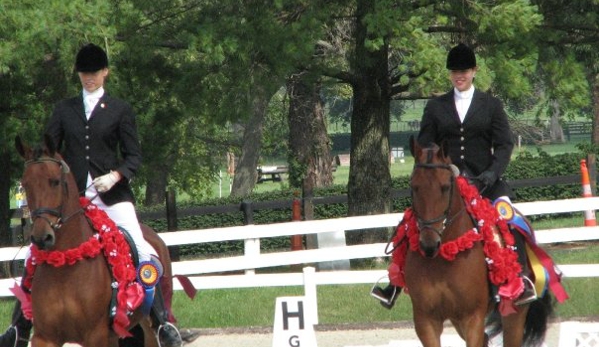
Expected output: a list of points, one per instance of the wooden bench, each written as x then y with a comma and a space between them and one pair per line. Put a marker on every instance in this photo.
271, 173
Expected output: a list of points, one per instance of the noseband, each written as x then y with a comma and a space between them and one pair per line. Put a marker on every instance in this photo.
57, 211
444, 217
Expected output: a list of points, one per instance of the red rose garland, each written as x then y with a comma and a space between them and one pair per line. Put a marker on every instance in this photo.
502, 262
115, 248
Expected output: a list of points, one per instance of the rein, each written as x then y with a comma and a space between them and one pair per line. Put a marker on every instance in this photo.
444, 218
57, 211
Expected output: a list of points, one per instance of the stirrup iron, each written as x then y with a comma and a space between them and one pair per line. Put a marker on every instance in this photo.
382, 299
530, 298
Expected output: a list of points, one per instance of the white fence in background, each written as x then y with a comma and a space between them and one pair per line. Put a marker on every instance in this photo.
199, 270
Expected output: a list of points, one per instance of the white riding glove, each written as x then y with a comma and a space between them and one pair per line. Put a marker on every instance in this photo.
104, 183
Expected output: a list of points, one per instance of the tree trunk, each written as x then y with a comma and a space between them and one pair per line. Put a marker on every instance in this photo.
556, 132
5, 194
156, 186
595, 91
310, 159
369, 176
246, 174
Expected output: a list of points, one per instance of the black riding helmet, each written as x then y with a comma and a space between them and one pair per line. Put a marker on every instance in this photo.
91, 58
461, 57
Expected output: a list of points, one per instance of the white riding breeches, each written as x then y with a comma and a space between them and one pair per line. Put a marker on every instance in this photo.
123, 215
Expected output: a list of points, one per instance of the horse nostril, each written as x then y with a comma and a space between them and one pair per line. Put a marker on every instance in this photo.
49, 240
43, 243
38, 242
428, 251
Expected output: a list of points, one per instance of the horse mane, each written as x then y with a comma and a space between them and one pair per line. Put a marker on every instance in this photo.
39, 151
430, 148
45, 148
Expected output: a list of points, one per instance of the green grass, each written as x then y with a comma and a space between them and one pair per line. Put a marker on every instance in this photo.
340, 176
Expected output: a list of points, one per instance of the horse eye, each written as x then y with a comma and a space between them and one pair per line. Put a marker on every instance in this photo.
445, 188
54, 182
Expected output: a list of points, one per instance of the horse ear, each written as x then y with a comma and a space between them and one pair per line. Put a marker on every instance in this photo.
444, 148
20, 146
49, 143
414, 147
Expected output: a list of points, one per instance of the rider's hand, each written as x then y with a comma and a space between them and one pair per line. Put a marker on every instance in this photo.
487, 178
104, 183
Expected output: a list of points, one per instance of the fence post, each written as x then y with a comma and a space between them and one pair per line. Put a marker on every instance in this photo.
296, 216
248, 212
251, 247
171, 220
592, 167
308, 209
310, 292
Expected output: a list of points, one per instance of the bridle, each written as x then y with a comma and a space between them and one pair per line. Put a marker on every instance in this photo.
444, 217
57, 212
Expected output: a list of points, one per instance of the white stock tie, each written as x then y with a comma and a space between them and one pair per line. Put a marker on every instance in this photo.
90, 102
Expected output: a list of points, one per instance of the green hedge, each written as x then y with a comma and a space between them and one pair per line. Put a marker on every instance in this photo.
525, 165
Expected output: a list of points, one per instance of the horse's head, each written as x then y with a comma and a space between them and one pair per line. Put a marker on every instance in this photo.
433, 185
45, 179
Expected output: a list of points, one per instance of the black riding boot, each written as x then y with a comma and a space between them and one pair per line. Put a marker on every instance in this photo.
386, 296
168, 334
17, 334
529, 294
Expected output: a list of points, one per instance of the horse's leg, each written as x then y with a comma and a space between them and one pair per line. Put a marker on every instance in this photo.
36, 341
428, 330
513, 327
113, 340
472, 329
150, 339
101, 336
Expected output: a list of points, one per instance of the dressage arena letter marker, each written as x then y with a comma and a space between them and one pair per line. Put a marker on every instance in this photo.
293, 326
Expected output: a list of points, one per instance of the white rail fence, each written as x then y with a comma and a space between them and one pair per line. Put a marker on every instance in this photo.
200, 271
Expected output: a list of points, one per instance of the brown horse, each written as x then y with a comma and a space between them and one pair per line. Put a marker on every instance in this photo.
456, 290
71, 303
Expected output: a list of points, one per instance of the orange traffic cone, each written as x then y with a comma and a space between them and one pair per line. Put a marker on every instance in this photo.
589, 215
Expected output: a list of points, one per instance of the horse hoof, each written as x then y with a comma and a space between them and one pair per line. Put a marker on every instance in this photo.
169, 336
189, 335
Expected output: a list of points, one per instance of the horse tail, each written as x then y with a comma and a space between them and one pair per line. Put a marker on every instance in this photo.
537, 320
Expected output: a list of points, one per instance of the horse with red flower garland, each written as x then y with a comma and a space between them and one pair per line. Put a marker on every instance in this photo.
80, 263
455, 258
